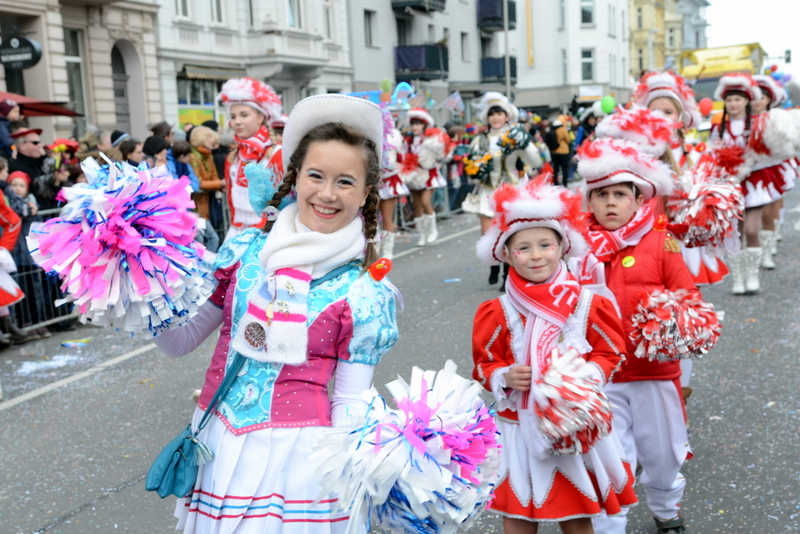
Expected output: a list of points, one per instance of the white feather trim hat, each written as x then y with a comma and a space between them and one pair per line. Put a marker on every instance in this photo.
420, 114
253, 93
605, 162
533, 204
737, 83
773, 89
495, 99
314, 111
649, 129
669, 85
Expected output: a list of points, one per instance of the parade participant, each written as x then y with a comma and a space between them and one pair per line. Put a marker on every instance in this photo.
295, 300
250, 105
391, 188
767, 140
493, 159
421, 152
772, 96
276, 127
516, 340
632, 261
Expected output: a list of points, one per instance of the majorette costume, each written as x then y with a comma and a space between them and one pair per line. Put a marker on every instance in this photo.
11, 224
258, 149
493, 155
639, 265
547, 475
418, 160
768, 140
296, 304
391, 186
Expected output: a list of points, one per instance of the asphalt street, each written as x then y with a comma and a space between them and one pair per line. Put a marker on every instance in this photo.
79, 427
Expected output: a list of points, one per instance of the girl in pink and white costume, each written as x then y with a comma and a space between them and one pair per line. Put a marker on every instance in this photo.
391, 188
295, 301
767, 140
250, 105
422, 152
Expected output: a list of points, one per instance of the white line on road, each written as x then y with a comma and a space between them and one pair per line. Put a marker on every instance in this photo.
78, 376
442, 240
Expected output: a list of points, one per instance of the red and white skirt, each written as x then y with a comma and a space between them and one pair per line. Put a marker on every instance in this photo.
392, 187
704, 268
764, 186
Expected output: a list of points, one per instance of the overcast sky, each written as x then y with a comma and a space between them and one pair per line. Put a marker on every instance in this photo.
773, 23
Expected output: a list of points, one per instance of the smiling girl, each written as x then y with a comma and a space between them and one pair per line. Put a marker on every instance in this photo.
293, 299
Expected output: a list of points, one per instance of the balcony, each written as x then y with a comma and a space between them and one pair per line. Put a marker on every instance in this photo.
420, 5
490, 15
420, 62
493, 69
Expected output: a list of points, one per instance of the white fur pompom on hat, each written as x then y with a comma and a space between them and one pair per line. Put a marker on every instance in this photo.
494, 99
420, 114
607, 161
253, 93
669, 85
773, 89
651, 130
534, 204
739, 82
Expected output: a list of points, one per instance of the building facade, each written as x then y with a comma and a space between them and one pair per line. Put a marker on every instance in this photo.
694, 23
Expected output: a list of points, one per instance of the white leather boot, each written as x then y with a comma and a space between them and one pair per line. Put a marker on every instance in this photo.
387, 248
778, 237
737, 265
767, 239
751, 284
421, 224
433, 232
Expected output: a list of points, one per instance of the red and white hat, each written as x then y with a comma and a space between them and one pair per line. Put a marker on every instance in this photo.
420, 114
773, 89
605, 162
649, 129
253, 93
738, 82
534, 204
279, 123
669, 85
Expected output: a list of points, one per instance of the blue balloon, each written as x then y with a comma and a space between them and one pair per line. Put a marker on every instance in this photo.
777, 75
788, 104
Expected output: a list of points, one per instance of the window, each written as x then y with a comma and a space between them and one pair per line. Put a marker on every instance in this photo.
624, 73
587, 65
74, 64
612, 74
671, 37
251, 13
182, 8
328, 19
640, 59
622, 26
639, 21
216, 12
446, 36
697, 39
402, 32
369, 27
562, 14
486, 47
564, 67
295, 14
464, 46
587, 11
431, 33
198, 92
612, 21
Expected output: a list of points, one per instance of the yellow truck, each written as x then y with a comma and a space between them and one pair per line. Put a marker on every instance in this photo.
703, 67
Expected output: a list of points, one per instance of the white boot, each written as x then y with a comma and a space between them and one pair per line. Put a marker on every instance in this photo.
433, 232
767, 239
778, 237
737, 265
421, 224
387, 246
753, 265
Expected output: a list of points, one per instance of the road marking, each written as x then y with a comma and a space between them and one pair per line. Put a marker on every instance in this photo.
74, 378
442, 240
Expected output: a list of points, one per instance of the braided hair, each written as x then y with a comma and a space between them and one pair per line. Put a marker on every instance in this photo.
337, 131
748, 112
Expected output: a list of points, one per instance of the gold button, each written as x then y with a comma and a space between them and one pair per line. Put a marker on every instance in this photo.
628, 261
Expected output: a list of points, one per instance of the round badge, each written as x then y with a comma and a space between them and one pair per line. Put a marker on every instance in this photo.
628, 261
255, 335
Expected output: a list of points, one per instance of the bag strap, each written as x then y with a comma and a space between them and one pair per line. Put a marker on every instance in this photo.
238, 361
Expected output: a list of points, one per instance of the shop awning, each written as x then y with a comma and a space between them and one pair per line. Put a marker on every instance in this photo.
213, 73
33, 107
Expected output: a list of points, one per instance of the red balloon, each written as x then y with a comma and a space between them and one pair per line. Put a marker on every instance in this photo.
706, 105
773, 68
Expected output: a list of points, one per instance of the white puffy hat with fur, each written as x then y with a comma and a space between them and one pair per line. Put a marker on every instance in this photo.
253, 93
533, 204
494, 99
420, 114
649, 129
737, 83
314, 111
773, 89
669, 85
608, 161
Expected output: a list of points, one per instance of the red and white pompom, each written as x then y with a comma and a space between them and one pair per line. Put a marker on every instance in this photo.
671, 325
434, 148
573, 412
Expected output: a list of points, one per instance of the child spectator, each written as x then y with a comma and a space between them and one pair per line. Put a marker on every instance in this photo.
131, 151
16, 203
9, 112
20, 184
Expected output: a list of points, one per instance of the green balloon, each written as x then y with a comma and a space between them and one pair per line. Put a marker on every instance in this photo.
607, 104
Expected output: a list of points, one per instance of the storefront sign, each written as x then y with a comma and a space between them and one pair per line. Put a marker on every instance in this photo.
17, 52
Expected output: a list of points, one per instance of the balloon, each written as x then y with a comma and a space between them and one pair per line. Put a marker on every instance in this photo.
773, 68
786, 78
777, 76
788, 104
608, 103
767, 70
706, 105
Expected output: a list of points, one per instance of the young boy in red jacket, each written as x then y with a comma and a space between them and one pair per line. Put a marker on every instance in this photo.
634, 257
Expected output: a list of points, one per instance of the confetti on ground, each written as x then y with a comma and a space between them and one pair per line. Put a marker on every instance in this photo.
76, 343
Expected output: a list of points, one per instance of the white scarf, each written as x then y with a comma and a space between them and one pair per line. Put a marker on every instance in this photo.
274, 327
